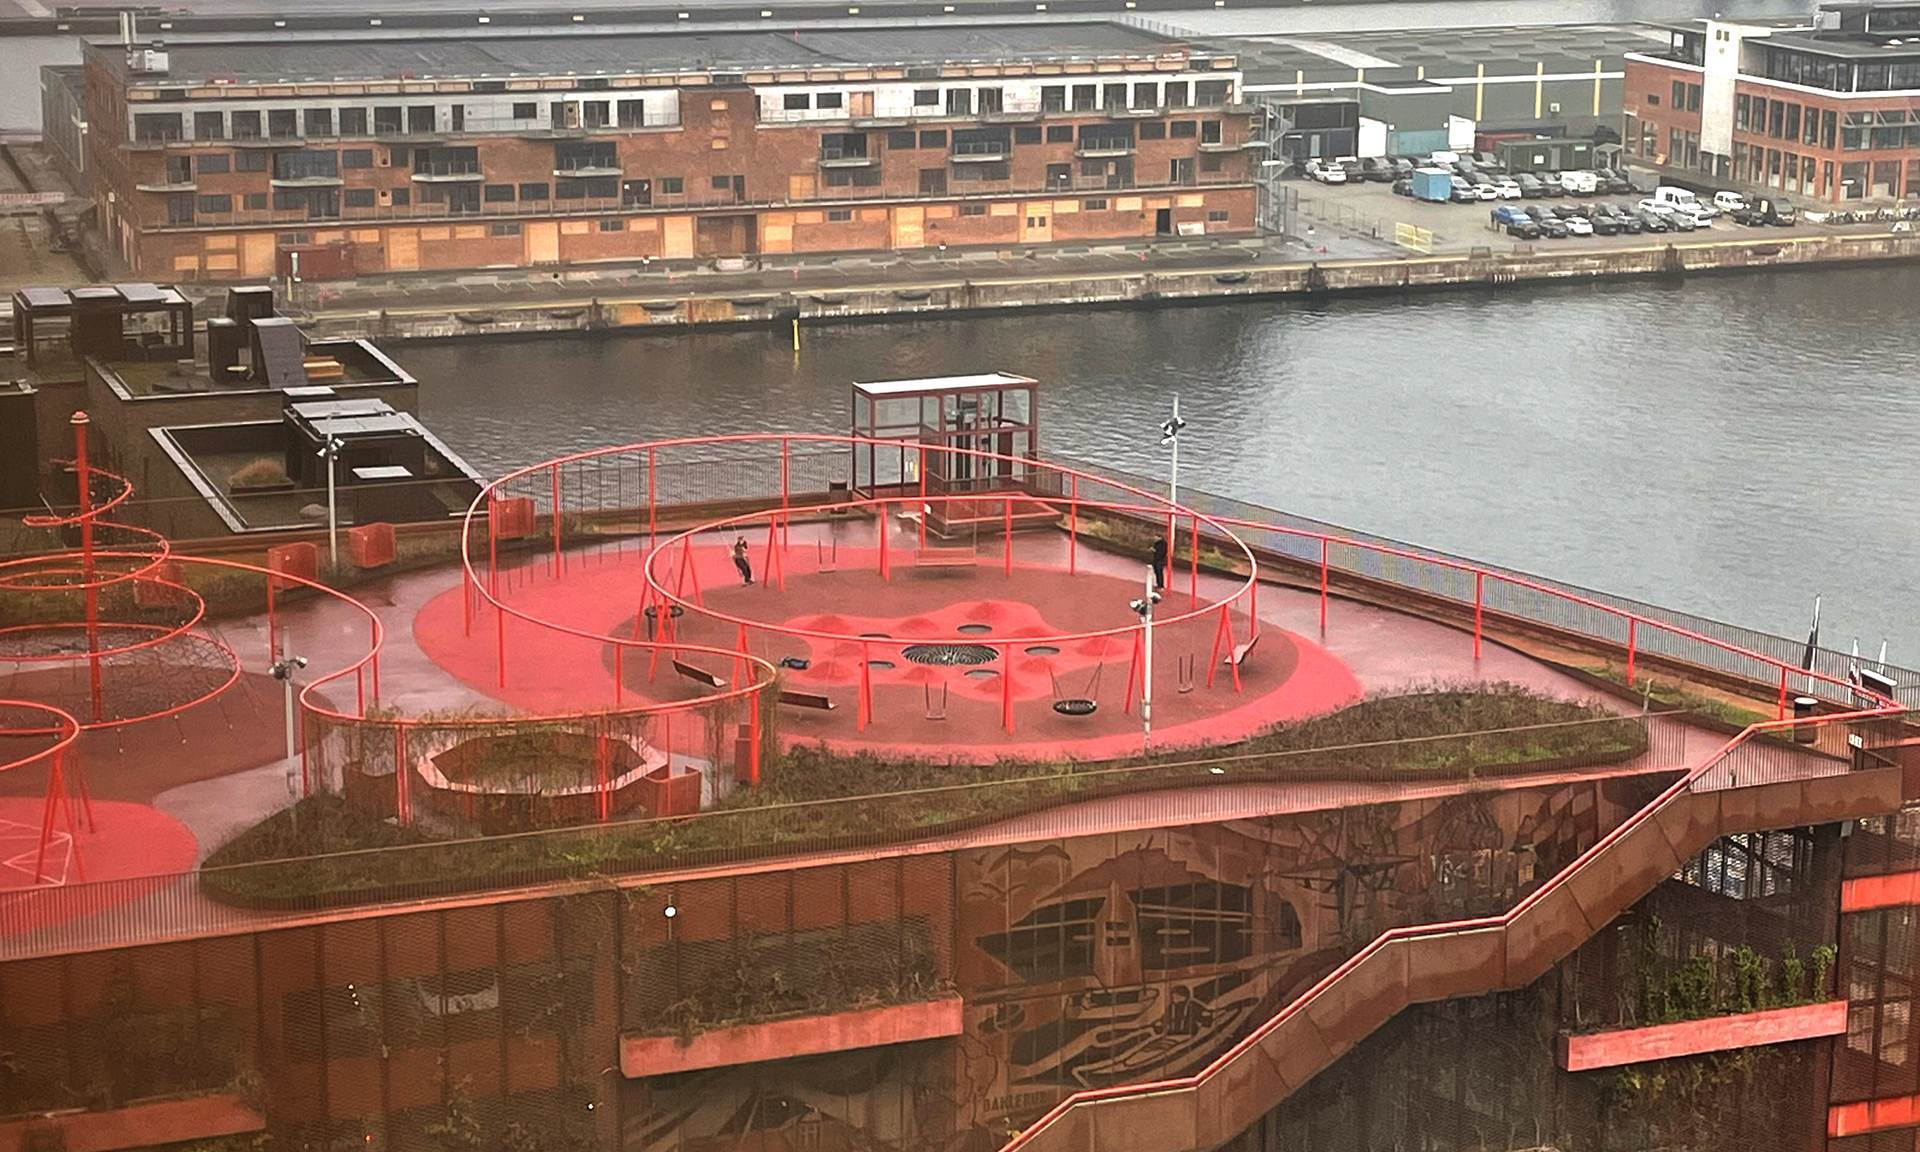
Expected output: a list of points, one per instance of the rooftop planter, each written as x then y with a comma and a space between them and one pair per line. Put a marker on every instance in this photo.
1613, 1049
783, 1039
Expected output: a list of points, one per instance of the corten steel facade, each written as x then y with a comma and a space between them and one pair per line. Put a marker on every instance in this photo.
220, 161
1829, 111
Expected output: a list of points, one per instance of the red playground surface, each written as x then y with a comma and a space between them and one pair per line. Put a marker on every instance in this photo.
836, 614
124, 843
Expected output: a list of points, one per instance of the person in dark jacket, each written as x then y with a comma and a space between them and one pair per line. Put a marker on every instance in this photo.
741, 561
1160, 564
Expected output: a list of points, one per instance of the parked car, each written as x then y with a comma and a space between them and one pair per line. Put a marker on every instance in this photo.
1483, 186
1604, 224
1729, 202
1507, 213
1681, 220
1508, 188
1767, 211
1401, 165
1444, 159
1651, 221
1658, 207
1614, 182
1376, 169
1488, 162
1326, 172
1403, 187
1550, 182
1522, 229
1352, 166
1629, 223
1579, 226
1530, 186
1551, 226
1463, 192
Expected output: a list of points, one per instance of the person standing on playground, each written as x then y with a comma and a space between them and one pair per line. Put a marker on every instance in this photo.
1159, 562
741, 560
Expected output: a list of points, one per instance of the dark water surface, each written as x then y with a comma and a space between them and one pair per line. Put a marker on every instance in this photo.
1731, 446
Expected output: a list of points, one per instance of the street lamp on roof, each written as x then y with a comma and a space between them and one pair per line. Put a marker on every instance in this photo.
330, 452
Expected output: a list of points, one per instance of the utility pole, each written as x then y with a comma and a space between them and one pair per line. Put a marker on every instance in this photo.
1143, 608
283, 670
330, 452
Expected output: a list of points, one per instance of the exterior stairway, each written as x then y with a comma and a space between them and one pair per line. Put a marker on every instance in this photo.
1751, 784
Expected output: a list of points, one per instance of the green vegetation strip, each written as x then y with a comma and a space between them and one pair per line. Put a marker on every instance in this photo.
325, 853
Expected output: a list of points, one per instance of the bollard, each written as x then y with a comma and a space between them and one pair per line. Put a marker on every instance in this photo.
1803, 707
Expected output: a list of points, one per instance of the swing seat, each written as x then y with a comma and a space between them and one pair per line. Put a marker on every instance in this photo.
1076, 707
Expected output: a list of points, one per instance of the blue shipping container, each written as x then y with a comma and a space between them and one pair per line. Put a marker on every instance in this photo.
1434, 184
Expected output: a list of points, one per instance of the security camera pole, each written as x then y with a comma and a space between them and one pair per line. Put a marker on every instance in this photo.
1143, 608
330, 452
1170, 438
283, 670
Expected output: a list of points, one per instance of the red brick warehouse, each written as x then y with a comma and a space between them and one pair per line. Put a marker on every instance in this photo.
224, 160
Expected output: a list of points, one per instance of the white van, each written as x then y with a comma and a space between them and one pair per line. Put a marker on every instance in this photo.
1682, 200
1444, 159
1579, 183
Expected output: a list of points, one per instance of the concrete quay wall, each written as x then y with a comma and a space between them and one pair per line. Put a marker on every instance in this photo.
1476, 268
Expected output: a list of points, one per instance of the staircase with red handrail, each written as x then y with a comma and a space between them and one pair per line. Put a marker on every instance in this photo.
1752, 783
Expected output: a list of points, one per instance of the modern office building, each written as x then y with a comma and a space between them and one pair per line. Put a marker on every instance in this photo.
225, 160
1827, 108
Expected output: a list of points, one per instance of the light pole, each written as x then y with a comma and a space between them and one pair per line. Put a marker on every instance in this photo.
283, 670
330, 452
1143, 608
1170, 438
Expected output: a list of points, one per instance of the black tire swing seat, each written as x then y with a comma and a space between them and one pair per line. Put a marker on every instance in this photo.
1078, 705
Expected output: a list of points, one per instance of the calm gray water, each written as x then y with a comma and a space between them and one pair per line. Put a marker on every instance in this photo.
1731, 446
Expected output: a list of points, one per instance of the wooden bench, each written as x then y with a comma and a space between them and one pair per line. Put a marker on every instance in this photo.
939, 557
698, 675
1238, 657
806, 700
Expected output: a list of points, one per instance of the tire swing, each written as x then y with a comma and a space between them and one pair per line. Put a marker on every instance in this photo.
1077, 706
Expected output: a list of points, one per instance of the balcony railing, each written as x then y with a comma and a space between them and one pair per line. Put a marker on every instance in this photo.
845, 158
459, 170
977, 151
1103, 146
596, 206
1010, 109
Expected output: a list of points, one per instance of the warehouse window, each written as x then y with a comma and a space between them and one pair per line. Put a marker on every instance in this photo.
839, 215
353, 121
359, 197
796, 101
498, 194
216, 204
926, 98
155, 126
212, 165
508, 228
536, 191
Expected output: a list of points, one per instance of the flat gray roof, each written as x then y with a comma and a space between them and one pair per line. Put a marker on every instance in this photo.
937, 384
471, 56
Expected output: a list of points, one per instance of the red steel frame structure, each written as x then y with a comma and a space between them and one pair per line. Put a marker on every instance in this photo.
669, 593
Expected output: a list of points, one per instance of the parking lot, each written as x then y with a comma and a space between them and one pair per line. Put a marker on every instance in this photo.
1371, 210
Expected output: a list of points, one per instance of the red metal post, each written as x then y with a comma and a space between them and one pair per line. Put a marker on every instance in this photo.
372, 628
1253, 604
1073, 527
1632, 646
923, 500
1222, 638
1479, 585
1193, 563
401, 809
653, 505
619, 673
493, 547
1006, 528
556, 521
1782, 713
360, 691
273, 626
786, 493
306, 742
753, 741
1323, 585
1006, 687
500, 644
864, 714
83, 477
886, 569
1136, 669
